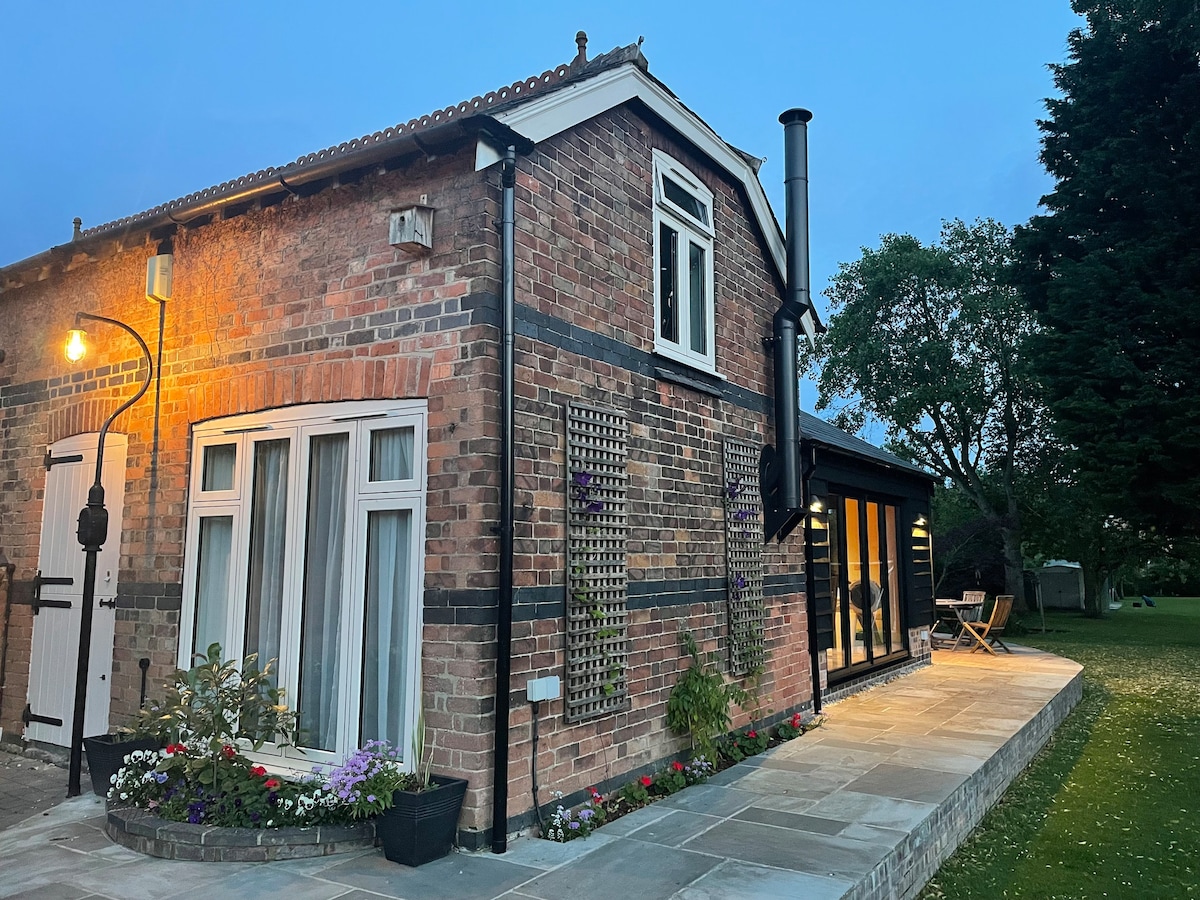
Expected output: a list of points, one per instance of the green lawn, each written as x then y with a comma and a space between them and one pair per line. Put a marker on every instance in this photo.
1111, 808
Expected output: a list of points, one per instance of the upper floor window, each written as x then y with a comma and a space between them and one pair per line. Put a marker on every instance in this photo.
305, 544
683, 262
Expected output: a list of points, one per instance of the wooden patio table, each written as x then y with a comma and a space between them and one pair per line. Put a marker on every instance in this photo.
954, 613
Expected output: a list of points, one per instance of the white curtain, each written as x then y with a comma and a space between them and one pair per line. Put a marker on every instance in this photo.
386, 638
268, 523
219, 460
391, 454
320, 662
212, 582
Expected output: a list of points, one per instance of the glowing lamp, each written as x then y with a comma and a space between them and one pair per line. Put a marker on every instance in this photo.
76, 348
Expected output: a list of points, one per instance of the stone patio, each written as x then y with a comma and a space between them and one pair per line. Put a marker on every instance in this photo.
867, 806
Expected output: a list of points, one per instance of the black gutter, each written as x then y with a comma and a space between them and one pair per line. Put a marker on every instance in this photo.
276, 181
507, 490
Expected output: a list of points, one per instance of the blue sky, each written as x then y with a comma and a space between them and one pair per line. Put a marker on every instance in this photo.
923, 110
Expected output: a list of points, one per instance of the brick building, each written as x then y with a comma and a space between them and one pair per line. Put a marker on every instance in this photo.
316, 471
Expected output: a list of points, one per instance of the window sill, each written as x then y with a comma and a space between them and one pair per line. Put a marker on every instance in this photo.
669, 369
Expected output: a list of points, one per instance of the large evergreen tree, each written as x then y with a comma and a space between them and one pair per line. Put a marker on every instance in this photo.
1114, 267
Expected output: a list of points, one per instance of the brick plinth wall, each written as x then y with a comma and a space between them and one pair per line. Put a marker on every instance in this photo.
921, 852
155, 836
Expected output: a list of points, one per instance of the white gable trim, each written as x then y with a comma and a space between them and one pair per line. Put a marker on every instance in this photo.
544, 117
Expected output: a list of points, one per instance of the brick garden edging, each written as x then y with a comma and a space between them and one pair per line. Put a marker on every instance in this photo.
155, 836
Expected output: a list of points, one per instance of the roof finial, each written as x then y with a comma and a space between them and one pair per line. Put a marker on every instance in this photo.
78, 223
581, 57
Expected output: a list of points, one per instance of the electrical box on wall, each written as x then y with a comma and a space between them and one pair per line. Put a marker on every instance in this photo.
538, 689
412, 229
159, 277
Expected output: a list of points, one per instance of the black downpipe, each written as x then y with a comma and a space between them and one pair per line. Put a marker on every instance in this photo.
507, 489
810, 586
783, 492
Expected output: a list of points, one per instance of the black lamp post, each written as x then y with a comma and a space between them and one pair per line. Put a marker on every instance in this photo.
92, 532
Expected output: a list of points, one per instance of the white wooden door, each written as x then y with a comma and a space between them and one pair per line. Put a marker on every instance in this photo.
55, 651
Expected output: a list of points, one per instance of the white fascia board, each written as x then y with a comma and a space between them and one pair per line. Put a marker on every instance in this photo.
553, 114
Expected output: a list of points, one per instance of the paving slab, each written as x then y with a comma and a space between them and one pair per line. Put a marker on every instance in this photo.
624, 869
843, 812
744, 881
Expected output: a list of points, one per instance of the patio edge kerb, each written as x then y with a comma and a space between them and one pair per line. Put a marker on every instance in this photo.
147, 833
917, 858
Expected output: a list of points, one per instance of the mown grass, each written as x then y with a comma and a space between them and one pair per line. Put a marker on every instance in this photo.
1111, 808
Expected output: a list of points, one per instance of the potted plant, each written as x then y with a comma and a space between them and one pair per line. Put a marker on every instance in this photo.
422, 821
106, 754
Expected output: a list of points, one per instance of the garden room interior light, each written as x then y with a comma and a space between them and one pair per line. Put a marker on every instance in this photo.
76, 348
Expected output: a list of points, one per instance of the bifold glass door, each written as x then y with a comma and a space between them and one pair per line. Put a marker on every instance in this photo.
865, 582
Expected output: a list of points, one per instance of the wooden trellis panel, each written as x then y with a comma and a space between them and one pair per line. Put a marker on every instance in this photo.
597, 652
743, 557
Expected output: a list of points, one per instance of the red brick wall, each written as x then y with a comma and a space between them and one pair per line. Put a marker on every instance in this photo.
585, 255
305, 301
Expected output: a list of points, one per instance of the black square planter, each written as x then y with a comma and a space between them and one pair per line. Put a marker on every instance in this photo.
420, 827
106, 754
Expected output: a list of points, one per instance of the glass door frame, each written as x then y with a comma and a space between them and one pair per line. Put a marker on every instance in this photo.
891, 580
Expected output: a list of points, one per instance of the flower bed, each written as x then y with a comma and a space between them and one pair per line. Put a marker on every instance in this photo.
202, 798
569, 823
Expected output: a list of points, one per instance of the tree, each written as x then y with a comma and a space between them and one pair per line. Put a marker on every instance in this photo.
967, 548
1113, 269
1064, 519
928, 340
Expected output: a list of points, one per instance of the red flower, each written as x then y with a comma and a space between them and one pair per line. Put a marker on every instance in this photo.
677, 766
271, 784
752, 734
647, 781
229, 752
258, 771
172, 749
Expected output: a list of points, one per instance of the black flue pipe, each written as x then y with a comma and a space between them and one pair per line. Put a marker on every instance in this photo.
507, 489
92, 533
787, 491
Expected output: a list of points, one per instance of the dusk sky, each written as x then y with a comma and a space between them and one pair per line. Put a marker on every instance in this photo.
923, 111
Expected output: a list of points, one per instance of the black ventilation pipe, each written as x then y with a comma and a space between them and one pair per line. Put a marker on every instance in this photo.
782, 485
508, 178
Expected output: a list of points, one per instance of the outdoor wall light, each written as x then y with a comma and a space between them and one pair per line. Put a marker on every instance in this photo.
816, 505
92, 532
921, 521
76, 349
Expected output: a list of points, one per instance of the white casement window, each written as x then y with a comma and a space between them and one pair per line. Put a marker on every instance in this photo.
683, 265
305, 544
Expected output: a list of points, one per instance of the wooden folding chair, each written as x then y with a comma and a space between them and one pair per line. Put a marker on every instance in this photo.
987, 634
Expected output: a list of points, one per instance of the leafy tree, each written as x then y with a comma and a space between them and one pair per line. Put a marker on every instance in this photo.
1113, 269
967, 548
928, 340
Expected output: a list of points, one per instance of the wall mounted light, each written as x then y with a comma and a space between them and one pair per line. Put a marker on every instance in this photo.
921, 521
76, 347
816, 505
92, 532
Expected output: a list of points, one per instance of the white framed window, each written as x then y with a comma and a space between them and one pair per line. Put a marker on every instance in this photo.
683, 265
305, 543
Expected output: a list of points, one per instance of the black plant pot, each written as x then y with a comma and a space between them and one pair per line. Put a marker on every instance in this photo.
421, 827
106, 754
